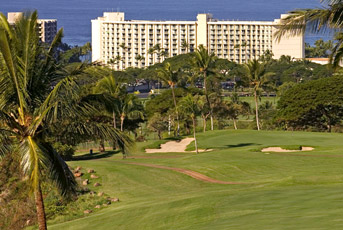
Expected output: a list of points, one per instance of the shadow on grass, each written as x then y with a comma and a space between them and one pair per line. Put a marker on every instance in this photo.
241, 145
94, 156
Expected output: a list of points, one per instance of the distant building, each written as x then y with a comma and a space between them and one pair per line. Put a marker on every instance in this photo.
47, 28
126, 43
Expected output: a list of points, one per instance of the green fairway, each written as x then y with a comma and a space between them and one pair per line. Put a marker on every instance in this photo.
279, 191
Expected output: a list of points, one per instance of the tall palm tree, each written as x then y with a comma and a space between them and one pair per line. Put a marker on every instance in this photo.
171, 77
34, 97
205, 64
319, 20
190, 105
257, 77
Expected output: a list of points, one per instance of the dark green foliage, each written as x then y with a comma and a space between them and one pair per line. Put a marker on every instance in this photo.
287, 70
158, 123
164, 102
70, 54
66, 151
321, 48
317, 104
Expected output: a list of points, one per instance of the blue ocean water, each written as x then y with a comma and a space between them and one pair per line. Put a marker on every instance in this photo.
75, 15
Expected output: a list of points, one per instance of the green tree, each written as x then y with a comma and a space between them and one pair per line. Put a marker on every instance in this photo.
257, 77
158, 123
321, 49
185, 46
315, 103
34, 97
112, 87
130, 107
190, 105
204, 63
171, 77
236, 107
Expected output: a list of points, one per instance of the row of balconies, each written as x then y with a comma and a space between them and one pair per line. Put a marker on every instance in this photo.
151, 26
240, 26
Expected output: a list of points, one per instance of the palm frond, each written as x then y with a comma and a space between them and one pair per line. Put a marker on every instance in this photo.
59, 172
6, 144
33, 160
9, 61
95, 130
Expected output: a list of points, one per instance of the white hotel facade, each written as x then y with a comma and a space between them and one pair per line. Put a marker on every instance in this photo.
238, 41
47, 28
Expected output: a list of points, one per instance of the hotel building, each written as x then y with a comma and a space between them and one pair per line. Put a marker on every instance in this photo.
128, 43
47, 28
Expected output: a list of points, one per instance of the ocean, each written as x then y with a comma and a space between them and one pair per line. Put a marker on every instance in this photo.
75, 15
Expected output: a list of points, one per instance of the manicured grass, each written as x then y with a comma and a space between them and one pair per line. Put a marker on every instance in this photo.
282, 191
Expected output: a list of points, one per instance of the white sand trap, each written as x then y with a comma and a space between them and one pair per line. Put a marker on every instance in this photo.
281, 150
175, 147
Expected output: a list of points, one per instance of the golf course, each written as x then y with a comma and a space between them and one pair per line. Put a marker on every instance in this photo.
234, 186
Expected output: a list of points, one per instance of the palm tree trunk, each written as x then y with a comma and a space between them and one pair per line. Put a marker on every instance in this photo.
204, 123
102, 146
40, 209
177, 113
195, 139
122, 123
256, 110
208, 100
114, 120
212, 126
169, 125
235, 124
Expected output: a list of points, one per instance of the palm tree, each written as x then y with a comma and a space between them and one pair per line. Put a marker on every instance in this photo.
130, 107
185, 45
170, 77
235, 108
111, 86
190, 105
204, 110
205, 64
320, 20
139, 58
257, 77
34, 97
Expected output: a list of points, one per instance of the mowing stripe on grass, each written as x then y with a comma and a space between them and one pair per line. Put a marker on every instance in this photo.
190, 173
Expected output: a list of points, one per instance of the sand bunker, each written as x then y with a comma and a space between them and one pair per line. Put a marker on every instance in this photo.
175, 147
281, 150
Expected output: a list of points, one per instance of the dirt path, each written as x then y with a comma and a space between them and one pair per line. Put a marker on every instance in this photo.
190, 173
174, 147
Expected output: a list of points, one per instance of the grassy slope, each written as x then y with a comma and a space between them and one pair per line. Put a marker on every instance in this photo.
286, 192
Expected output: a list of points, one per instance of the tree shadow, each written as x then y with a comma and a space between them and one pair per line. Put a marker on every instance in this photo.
241, 145
94, 156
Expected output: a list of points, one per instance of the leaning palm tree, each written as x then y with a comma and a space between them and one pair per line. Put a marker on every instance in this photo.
35, 96
171, 77
190, 105
319, 20
257, 77
205, 64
